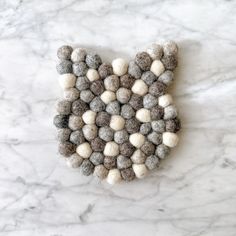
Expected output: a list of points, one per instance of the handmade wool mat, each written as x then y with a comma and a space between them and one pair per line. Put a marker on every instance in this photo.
116, 120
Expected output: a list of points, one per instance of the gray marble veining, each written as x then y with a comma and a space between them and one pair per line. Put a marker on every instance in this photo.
194, 191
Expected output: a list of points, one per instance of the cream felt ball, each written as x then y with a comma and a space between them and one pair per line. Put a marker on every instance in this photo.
89, 117
140, 170
111, 149
117, 122
67, 81
84, 150
137, 140
170, 139
139, 87
120, 66
143, 115
92, 75
157, 68
113, 176
165, 100
108, 96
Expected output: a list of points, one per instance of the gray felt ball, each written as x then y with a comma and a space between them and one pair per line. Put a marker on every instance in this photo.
170, 112
97, 87
87, 167
80, 69
127, 111
126, 149
148, 77
136, 101
145, 128
77, 137
100, 172
148, 148
61, 121
63, 134
112, 83
143, 60
93, 60
121, 136
155, 138
79, 107
63, 107
132, 125
157, 113
106, 133
103, 119
127, 81
134, 70
71, 94
82, 83
152, 162
109, 162
97, 104
113, 108
90, 132
75, 122
138, 157
66, 149
166, 78
162, 151
157, 89
123, 95
78, 55
64, 52
169, 62
158, 126
173, 125
96, 158
64, 67
170, 48
128, 174
105, 69
149, 101
123, 162
86, 95
97, 144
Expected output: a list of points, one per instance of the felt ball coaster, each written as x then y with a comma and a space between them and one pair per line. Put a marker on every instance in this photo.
116, 120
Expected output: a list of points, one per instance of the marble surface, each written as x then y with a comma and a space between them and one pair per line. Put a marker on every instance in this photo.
194, 191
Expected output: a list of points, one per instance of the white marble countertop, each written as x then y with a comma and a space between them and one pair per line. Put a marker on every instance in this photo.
194, 191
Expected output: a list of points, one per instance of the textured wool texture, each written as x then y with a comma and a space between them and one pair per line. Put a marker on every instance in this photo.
116, 120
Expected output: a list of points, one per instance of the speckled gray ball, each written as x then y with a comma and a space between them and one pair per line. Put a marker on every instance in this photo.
96, 158
113, 108
87, 167
127, 81
82, 83
75, 122
121, 136
103, 119
145, 128
143, 60
149, 101
134, 70
157, 113
169, 62
97, 87
100, 172
104, 70
79, 107
64, 52
136, 101
155, 138
71, 94
109, 162
158, 126
162, 151
170, 112
80, 69
123, 162
98, 144
77, 137
90, 132
106, 133
64, 67
166, 78
93, 60
66, 149
127, 174
148, 77
63, 107
148, 148
97, 104
61, 121
127, 111
123, 95
86, 95
157, 89
63, 134
152, 162
170, 48
132, 125
112, 83
127, 149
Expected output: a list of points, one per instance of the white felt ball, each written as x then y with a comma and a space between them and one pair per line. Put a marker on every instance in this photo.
165, 100
117, 122
139, 87
157, 68
113, 176
120, 66
170, 139
111, 149
84, 150
140, 170
89, 117
92, 75
108, 96
67, 81
137, 140
143, 115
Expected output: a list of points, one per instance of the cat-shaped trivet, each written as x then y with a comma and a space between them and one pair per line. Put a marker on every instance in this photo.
116, 120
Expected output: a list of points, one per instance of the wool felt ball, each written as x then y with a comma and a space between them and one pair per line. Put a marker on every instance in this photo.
113, 108
145, 128
97, 87
93, 60
155, 138
103, 119
80, 69
100, 172
96, 158
170, 112
90, 132
165, 100
79, 107
155, 51
143, 60
123, 162
66, 149
170, 48
113, 176
78, 55
97, 105
82, 83
127, 81
166, 78
87, 167
140, 170
104, 70
173, 125
98, 144
127, 174
71, 94
63, 134
106, 133
127, 111
108, 96
84, 150
157, 113
134, 70
111, 149
120, 66
86, 96
152, 162
143, 115
92, 75
132, 125
63, 107
61, 121
158, 126
148, 148
123, 95
137, 140
157, 89
64, 67
109, 162
138, 157
74, 161
126, 149
157, 68
77, 137
75, 122
67, 81
136, 101
89, 117
169, 62
112, 83
139, 87
64, 52
148, 77
162, 151
121, 136
149, 101
170, 139
117, 122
